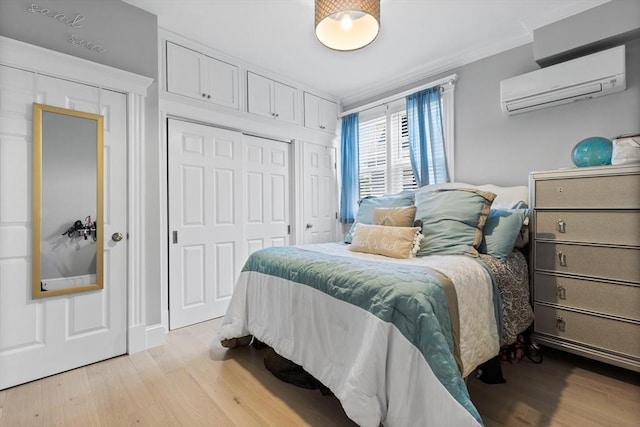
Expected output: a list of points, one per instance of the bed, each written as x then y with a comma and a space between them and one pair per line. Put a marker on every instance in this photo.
394, 336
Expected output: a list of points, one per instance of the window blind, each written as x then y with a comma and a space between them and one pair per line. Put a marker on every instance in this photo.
372, 151
401, 172
385, 166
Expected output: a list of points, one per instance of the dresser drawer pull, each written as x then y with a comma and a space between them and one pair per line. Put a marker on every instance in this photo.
562, 259
562, 292
561, 226
560, 323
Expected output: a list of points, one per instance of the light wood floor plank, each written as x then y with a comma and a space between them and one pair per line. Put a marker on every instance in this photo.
193, 381
565, 390
16, 413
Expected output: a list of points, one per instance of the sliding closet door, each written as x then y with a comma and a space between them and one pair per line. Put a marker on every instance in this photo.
228, 196
267, 213
205, 220
41, 337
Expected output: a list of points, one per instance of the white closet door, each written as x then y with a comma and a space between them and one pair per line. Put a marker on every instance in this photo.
205, 220
320, 193
50, 335
267, 193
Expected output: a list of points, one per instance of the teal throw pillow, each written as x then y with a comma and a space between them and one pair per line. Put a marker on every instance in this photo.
452, 220
501, 231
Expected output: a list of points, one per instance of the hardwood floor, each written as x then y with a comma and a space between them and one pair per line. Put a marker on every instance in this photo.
565, 390
192, 382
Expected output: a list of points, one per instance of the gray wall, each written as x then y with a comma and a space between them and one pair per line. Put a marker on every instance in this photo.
495, 148
587, 32
491, 147
129, 38
127, 34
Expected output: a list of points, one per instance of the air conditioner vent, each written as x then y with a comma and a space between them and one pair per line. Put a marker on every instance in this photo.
582, 78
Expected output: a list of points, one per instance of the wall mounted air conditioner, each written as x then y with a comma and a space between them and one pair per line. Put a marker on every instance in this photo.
582, 78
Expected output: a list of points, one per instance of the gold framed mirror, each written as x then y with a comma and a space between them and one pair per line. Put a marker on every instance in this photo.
67, 215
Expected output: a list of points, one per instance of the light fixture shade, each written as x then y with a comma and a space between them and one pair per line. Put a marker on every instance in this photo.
347, 24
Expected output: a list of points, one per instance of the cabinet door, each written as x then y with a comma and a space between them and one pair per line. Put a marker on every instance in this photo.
311, 111
220, 82
198, 76
259, 95
320, 113
184, 70
328, 115
269, 98
285, 98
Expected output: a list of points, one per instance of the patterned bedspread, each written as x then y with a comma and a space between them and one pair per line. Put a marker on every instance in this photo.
512, 277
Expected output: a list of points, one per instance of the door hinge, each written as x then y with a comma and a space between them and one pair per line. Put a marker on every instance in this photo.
336, 215
175, 237
288, 229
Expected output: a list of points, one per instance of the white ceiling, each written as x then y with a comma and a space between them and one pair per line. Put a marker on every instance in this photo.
418, 38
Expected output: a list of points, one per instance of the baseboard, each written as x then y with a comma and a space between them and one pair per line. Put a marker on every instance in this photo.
143, 337
155, 335
137, 339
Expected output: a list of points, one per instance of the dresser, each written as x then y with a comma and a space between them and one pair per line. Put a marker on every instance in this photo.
585, 261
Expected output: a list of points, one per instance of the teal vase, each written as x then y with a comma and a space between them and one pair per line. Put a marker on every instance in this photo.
592, 151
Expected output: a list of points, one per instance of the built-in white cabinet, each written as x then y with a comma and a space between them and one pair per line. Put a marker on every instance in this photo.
319, 113
198, 76
270, 98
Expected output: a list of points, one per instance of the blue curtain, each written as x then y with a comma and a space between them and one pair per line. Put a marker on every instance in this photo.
426, 137
349, 151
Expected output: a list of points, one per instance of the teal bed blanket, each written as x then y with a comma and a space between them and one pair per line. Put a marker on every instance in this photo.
411, 298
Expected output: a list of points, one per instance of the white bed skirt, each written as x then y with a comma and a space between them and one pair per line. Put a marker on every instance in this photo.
375, 372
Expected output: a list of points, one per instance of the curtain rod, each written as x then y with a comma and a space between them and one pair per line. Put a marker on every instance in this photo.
445, 80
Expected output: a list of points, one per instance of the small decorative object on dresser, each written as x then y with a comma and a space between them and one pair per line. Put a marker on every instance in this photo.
585, 261
592, 151
626, 149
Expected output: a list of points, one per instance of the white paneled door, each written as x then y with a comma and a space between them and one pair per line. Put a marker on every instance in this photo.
41, 337
266, 169
228, 196
205, 204
319, 212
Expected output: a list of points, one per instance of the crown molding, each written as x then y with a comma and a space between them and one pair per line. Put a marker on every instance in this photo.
57, 64
444, 64
449, 62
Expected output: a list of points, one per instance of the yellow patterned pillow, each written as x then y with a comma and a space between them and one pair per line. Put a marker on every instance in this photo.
397, 217
395, 242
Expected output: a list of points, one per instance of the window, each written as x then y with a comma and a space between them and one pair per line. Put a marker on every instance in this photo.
384, 163
385, 166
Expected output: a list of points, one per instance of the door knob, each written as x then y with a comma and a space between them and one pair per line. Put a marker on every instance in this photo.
309, 226
116, 237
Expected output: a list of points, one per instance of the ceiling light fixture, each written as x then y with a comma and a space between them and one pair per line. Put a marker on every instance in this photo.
347, 24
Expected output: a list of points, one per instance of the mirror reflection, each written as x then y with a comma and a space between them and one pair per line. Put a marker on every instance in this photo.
67, 205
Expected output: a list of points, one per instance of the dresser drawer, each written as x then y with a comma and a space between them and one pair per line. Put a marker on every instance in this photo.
603, 297
612, 227
596, 261
613, 191
613, 335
